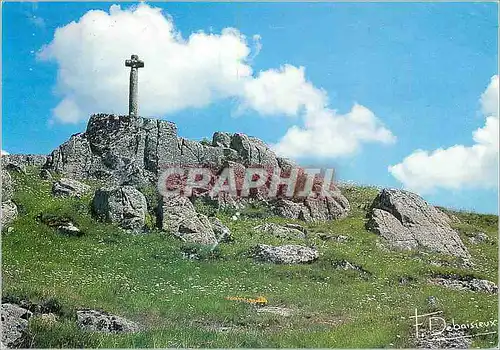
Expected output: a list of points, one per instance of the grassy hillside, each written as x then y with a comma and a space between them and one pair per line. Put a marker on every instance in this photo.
182, 302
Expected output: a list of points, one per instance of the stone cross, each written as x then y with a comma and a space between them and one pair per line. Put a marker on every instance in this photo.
134, 63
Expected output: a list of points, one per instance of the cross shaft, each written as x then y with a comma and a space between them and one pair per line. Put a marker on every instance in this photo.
134, 63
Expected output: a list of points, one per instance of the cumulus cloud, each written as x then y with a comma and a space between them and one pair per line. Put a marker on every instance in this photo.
458, 166
194, 72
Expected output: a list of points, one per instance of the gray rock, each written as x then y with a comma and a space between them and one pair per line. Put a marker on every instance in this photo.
45, 174
98, 321
313, 209
124, 205
24, 160
253, 151
69, 229
7, 186
9, 212
474, 284
285, 254
479, 237
346, 265
407, 222
276, 310
222, 232
449, 339
179, 217
14, 325
69, 188
221, 139
281, 231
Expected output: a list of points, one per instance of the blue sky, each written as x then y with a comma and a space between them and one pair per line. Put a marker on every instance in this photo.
419, 68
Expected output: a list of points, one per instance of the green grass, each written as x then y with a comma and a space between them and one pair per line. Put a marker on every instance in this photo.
181, 302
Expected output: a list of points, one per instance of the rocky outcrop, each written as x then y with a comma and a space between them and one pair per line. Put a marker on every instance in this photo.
285, 254
98, 321
69, 188
179, 217
123, 205
134, 151
9, 208
14, 325
311, 209
406, 221
279, 231
19, 162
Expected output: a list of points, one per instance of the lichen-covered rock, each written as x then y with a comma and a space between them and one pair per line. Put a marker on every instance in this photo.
285, 254
286, 232
472, 284
69, 229
69, 188
406, 222
123, 205
7, 186
9, 212
222, 232
14, 325
313, 209
179, 217
98, 321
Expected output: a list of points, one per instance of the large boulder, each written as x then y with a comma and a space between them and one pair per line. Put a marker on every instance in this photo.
69, 188
99, 321
179, 217
408, 222
14, 325
285, 254
123, 205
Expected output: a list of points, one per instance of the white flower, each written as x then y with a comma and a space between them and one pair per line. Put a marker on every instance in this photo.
234, 218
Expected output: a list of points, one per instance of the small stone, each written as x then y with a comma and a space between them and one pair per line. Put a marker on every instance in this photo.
98, 321
285, 254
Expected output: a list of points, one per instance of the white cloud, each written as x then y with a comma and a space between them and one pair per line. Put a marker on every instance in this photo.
327, 134
4, 153
458, 166
193, 72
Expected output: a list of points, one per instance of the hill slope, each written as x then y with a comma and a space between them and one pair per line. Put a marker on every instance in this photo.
182, 302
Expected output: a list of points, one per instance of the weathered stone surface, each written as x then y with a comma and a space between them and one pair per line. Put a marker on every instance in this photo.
124, 205
281, 231
221, 139
406, 221
133, 151
69, 188
474, 284
346, 265
179, 217
252, 151
9, 212
14, 325
45, 174
19, 162
314, 209
479, 237
98, 321
7, 186
285, 254
222, 232
448, 339
69, 229
280, 311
